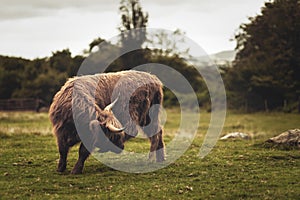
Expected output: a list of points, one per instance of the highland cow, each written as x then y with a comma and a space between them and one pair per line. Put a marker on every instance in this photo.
115, 104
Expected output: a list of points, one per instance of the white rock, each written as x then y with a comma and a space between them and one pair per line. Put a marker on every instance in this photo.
236, 135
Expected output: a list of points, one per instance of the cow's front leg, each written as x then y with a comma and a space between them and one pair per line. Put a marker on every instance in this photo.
83, 155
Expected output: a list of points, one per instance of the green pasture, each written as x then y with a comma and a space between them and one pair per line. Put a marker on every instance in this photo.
234, 169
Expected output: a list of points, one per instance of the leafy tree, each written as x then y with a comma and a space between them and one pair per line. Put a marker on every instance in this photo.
266, 70
40, 78
189, 72
168, 45
75, 65
132, 17
11, 71
133, 32
47, 84
95, 43
30, 72
61, 60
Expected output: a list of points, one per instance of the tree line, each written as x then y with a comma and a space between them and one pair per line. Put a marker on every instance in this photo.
265, 74
42, 78
263, 77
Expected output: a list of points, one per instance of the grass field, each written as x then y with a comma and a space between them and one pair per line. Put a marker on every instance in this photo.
234, 169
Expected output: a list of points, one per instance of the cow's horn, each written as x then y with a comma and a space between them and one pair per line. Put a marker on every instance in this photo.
114, 129
110, 106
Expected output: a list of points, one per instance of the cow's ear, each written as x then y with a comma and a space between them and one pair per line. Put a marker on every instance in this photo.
97, 111
101, 116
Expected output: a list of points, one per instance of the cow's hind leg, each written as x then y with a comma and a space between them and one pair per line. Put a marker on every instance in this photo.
155, 133
160, 150
153, 147
63, 149
83, 155
156, 142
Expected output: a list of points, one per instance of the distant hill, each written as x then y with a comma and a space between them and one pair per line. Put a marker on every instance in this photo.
220, 58
223, 57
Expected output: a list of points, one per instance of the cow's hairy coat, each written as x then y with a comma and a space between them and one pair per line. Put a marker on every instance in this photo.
84, 100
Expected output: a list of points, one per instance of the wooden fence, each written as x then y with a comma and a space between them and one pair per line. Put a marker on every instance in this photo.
28, 104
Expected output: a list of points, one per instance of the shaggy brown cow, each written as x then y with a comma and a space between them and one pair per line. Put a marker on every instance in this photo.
86, 100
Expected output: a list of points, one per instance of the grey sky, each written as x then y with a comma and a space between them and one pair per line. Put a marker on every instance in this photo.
35, 28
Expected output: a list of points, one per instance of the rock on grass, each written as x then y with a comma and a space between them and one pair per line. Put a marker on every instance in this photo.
290, 138
237, 135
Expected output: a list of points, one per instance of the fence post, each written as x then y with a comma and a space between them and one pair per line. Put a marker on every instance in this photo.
266, 105
299, 104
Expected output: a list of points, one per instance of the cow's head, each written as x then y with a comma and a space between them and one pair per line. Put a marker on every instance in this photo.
112, 129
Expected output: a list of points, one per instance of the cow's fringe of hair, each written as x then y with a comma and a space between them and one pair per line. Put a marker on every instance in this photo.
93, 92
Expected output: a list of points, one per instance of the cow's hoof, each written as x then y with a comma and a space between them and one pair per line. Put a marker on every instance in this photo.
160, 155
76, 171
151, 157
61, 169
160, 159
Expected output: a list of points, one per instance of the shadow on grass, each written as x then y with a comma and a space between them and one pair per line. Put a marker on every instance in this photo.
270, 145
